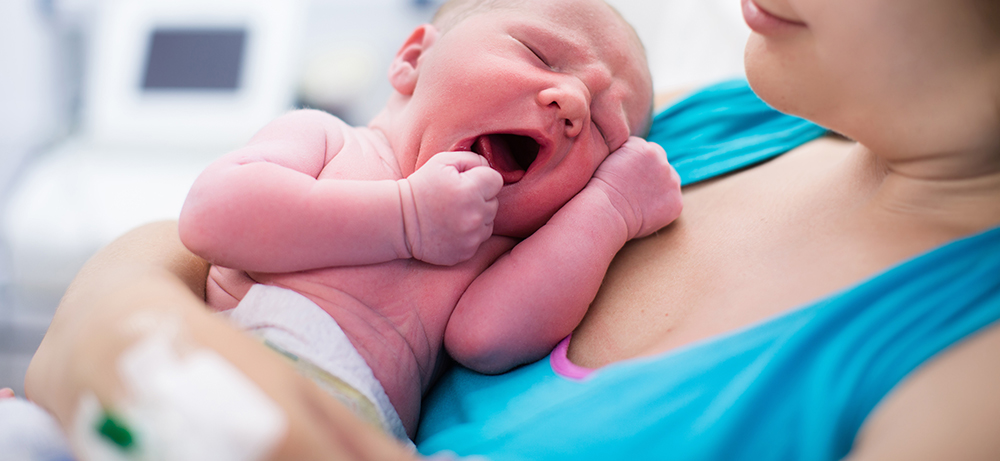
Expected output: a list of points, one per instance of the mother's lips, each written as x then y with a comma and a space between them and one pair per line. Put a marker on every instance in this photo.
766, 23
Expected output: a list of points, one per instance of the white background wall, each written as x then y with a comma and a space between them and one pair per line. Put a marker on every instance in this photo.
30, 116
30, 110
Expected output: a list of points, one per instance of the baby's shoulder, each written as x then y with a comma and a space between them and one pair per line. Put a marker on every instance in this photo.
306, 130
303, 124
310, 119
343, 149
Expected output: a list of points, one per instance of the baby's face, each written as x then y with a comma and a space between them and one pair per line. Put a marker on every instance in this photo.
544, 92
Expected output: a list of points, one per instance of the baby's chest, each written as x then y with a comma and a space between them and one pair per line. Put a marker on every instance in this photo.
401, 291
395, 290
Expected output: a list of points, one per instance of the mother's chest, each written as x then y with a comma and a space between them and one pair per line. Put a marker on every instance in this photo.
737, 256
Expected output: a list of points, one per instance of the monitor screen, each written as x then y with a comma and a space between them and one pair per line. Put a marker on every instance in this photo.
194, 59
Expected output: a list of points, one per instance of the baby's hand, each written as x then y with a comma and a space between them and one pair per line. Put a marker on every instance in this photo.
641, 185
449, 205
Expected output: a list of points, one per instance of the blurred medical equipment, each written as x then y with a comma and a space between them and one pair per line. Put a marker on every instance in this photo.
169, 85
189, 73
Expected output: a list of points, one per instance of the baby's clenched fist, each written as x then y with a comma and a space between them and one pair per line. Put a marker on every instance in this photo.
643, 187
449, 205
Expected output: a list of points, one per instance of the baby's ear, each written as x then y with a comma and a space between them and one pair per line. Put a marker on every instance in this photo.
405, 67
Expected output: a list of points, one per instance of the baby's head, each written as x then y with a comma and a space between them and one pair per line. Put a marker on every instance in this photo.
544, 90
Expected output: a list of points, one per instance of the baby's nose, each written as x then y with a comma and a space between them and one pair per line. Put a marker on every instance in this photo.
571, 105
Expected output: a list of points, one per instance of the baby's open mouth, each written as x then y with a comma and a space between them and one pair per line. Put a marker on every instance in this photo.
508, 154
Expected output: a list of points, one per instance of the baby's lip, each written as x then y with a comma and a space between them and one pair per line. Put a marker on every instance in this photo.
510, 154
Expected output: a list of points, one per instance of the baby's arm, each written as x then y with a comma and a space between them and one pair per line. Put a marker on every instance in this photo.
534, 296
263, 207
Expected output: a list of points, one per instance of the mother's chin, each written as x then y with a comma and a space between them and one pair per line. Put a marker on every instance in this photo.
788, 78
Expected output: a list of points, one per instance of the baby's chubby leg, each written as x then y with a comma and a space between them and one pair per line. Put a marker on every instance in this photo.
226, 287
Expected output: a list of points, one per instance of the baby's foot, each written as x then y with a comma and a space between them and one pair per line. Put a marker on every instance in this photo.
6, 393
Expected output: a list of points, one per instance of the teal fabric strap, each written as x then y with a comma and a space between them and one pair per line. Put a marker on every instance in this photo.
723, 128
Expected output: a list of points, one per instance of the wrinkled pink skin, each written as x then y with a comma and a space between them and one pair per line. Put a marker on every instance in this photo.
395, 236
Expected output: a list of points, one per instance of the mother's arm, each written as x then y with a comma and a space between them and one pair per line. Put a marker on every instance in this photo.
149, 272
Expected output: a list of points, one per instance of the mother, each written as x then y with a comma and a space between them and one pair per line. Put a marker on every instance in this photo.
837, 301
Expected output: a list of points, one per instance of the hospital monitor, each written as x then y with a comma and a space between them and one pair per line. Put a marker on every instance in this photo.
190, 72
194, 60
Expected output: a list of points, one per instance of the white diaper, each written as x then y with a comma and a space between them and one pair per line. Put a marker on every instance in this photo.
301, 330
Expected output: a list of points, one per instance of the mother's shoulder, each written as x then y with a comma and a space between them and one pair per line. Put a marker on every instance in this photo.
946, 409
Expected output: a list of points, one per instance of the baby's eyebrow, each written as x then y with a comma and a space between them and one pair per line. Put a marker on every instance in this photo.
560, 44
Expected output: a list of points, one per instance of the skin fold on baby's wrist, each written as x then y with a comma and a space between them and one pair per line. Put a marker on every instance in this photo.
616, 204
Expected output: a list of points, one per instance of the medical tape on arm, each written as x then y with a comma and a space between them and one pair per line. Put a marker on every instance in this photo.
178, 408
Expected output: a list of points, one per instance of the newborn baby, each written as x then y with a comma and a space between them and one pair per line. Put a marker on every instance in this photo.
479, 210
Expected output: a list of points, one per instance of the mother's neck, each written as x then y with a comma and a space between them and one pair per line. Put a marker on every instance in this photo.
954, 190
